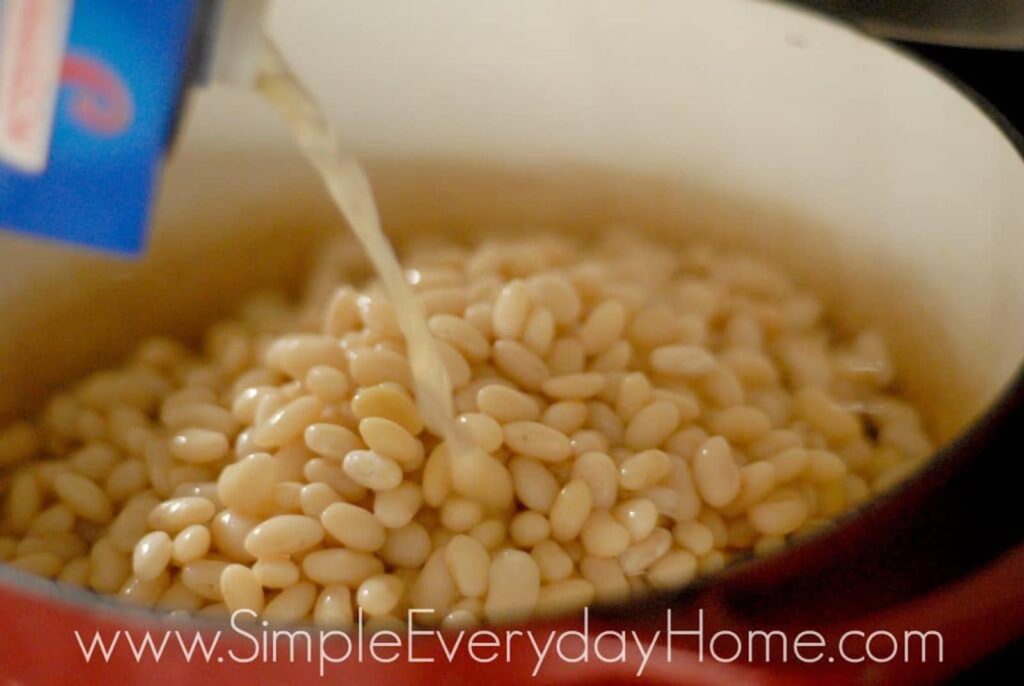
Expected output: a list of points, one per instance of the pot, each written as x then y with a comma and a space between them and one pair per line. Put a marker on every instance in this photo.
879, 182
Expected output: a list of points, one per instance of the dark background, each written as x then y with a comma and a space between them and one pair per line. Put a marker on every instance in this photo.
997, 75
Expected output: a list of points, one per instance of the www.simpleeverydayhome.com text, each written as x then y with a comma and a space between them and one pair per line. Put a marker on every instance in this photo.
255, 643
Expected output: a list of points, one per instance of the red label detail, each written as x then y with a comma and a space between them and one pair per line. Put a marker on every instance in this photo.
100, 101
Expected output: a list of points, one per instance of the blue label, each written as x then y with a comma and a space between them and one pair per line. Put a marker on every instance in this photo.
120, 83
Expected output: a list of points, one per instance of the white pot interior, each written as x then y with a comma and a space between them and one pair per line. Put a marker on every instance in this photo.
734, 121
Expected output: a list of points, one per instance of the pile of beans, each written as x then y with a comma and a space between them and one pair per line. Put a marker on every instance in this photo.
651, 414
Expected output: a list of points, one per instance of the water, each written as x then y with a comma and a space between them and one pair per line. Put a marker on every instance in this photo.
474, 473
